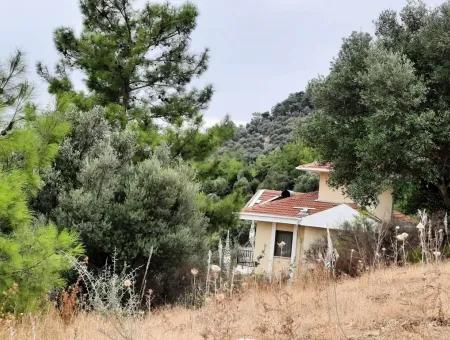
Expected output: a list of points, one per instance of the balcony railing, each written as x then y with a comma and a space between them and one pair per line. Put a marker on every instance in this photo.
245, 256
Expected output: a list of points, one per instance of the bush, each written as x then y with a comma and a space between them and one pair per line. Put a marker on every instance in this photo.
119, 203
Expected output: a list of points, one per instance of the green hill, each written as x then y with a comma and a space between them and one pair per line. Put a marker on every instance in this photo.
268, 131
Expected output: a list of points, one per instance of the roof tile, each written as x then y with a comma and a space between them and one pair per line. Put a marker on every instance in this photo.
271, 203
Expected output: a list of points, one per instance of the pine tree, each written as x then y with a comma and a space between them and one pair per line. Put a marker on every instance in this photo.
138, 59
33, 256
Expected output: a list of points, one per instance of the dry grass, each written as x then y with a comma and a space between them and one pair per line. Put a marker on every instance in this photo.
402, 303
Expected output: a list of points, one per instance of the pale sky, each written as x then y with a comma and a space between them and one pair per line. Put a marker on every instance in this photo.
261, 50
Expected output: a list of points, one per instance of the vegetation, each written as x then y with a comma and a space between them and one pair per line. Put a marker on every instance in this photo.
119, 205
125, 173
269, 131
385, 304
33, 255
136, 59
385, 107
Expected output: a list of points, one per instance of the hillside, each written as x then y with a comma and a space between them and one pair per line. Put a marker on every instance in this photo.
400, 303
270, 130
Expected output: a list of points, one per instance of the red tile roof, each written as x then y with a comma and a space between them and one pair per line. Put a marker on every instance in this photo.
290, 206
269, 202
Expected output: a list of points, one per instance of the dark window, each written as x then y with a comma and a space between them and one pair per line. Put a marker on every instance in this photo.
283, 243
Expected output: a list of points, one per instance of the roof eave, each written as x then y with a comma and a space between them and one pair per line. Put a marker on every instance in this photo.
248, 216
312, 169
278, 219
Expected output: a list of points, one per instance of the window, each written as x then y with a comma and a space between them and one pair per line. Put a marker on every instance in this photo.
283, 243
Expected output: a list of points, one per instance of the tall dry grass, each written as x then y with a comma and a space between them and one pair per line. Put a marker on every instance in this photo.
401, 302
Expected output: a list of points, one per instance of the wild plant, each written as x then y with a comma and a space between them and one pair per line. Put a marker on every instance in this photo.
220, 252
251, 235
446, 230
68, 303
219, 318
281, 245
383, 256
431, 241
208, 272
220, 260
350, 261
432, 305
216, 273
280, 319
331, 255
402, 238
195, 296
395, 245
381, 230
144, 282
227, 255
109, 291
431, 237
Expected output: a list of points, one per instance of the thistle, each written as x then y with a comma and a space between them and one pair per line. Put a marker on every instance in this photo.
402, 237
251, 235
397, 228
423, 216
207, 271
227, 254
194, 272
281, 246
216, 271
332, 255
220, 252
351, 258
446, 224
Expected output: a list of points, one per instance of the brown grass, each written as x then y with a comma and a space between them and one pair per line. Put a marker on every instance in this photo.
401, 303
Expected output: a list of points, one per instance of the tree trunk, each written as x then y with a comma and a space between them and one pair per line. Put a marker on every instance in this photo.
443, 190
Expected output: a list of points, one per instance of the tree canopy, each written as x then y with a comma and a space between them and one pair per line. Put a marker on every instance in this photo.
385, 107
138, 59
124, 206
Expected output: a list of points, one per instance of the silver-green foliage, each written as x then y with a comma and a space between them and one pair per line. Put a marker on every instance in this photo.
382, 113
121, 202
109, 291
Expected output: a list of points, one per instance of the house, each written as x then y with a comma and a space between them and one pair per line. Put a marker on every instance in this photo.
287, 223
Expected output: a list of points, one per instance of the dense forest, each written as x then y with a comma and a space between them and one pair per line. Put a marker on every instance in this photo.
268, 131
126, 169
263, 154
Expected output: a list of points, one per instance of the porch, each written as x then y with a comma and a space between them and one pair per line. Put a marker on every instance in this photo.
278, 247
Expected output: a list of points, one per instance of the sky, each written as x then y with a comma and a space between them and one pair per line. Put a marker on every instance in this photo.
260, 50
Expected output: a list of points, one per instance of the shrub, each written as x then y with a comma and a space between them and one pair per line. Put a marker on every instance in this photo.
118, 202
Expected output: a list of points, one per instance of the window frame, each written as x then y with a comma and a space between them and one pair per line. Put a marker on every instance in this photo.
277, 250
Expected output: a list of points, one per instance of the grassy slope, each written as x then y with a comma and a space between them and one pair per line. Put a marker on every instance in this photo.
389, 303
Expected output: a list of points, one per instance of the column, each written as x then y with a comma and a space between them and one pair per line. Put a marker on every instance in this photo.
294, 244
271, 250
